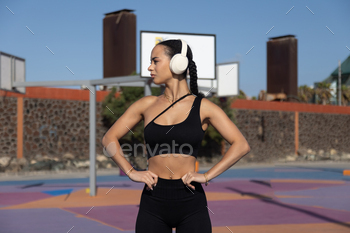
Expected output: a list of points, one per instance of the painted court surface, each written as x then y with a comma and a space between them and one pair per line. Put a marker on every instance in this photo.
268, 199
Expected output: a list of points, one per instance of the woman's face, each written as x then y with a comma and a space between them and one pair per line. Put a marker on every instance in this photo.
159, 68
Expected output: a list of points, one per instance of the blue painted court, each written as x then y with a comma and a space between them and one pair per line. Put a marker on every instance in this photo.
261, 199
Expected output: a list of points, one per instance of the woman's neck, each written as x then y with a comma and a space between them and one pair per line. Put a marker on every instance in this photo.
176, 90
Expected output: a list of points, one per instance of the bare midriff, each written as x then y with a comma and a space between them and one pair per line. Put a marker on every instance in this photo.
171, 166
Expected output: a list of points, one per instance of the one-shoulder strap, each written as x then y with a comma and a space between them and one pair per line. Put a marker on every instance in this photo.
170, 106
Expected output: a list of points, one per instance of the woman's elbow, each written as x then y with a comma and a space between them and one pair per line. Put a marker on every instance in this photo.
104, 139
246, 148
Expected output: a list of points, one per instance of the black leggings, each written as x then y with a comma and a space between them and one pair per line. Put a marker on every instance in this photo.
172, 204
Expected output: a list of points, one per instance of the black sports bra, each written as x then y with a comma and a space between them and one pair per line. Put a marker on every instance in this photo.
183, 138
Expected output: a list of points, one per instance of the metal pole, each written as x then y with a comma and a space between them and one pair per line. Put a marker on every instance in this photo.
147, 87
92, 134
339, 83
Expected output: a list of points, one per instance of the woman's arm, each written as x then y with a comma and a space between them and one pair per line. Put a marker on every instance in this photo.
110, 141
229, 131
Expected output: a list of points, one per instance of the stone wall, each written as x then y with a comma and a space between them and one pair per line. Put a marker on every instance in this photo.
50, 127
55, 127
270, 134
8, 126
324, 132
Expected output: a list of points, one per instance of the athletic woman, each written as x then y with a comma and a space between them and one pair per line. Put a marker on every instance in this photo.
175, 123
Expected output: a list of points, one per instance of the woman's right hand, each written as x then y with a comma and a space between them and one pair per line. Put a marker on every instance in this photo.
146, 177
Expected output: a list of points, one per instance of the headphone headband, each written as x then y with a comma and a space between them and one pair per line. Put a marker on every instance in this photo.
183, 48
179, 62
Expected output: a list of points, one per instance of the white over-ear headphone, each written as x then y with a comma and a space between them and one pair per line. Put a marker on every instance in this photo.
179, 62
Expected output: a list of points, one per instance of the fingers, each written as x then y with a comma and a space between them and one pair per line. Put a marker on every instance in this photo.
150, 183
184, 178
187, 179
151, 180
155, 181
191, 186
155, 177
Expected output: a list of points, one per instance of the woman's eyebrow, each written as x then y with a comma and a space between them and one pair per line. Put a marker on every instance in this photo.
154, 58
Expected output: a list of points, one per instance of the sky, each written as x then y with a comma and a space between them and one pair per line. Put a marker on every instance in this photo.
72, 30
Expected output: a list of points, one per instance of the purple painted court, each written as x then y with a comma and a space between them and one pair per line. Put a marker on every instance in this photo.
268, 199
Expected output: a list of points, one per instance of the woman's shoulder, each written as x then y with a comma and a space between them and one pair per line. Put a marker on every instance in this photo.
206, 103
146, 101
149, 99
209, 107
141, 105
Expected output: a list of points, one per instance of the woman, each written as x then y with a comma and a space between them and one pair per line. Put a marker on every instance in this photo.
173, 196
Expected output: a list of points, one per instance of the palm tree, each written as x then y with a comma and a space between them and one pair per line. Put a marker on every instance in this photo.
323, 91
345, 95
242, 95
305, 93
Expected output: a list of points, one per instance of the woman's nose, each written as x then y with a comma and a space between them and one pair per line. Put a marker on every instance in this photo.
150, 68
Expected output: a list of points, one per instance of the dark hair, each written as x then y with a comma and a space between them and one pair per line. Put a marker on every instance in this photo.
173, 47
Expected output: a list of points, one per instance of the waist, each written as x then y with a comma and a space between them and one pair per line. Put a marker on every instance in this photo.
171, 167
173, 189
170, 183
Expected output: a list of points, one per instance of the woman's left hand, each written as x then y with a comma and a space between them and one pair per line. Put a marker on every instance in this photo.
193, 176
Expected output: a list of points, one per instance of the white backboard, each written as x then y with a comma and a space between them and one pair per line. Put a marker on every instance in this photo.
228, 79
203, 47
12, 69
210, 83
